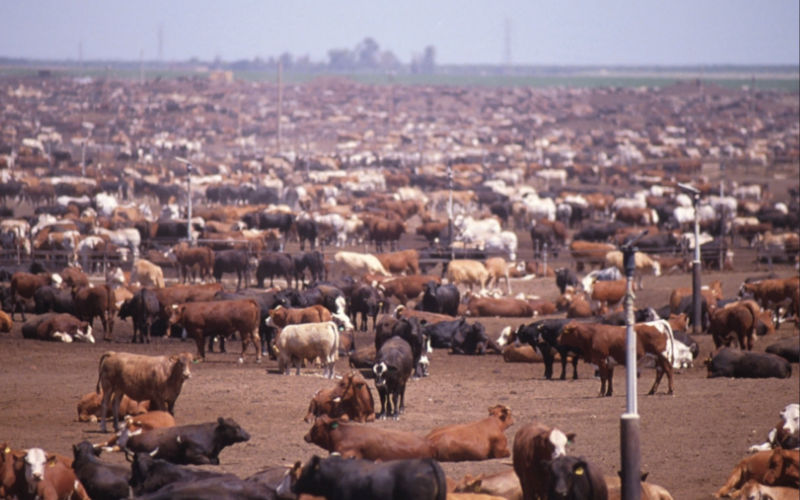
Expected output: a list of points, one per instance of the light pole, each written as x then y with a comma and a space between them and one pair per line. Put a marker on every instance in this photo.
189, 199
89, 127
629, 422
696, 303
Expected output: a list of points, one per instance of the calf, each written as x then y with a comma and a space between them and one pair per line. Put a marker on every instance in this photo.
58, 327
393, 366
96, 301
339, 479
481, 440
786, 433
349, 399
734, 363
89, 407
534, 445
308, 341
198, 444
102, 480
757, 467
143, 308
369, 442
575, 478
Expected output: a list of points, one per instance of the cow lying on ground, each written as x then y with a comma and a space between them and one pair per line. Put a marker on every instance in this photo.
503, 307
363, 441
534, 445
62, 327
101, 479
786, 433
158, 478
503, 484
729, 362
158, 379
788, 348
765, 467
349, 399
89, 407
575, 477
198, 444
339, 479
44, 476
134, 426
756, 491
481, 440
308, 341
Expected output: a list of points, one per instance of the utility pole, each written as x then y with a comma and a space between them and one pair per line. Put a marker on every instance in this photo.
189, 199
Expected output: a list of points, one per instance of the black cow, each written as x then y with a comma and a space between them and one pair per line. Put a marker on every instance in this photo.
148, 474
306, 230
687, 307
144, 309
368, 302
729, 362
410, 330
788, 349
198, 444
228, 487
51, 299
565, 277
232, 261
338, 478
394, 362
314, 262
460, 336
664, 241
441, 299
330, 297
639, 316
102, 481
598, 232
543, 335
273, 264
574, 478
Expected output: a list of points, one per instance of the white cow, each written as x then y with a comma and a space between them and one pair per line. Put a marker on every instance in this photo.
147, 274
308, 341
505, 243
357, 265
643, 264
126, 237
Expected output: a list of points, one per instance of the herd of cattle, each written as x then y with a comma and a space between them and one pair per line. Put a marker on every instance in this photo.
382, 179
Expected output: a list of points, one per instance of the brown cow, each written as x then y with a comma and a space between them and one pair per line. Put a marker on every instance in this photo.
498, 268
62, 327
740, 318
282, 316
534, 446
757, 466
504, 484
505, 307
180, 294
158, 379
772, 293
23, 285
589, 252
6, 323
431, 230
575, 304
74, 277
220, 317
402, 261
198, 260
608, 293
382, 230
135, 425
712, 293
47, 477
89, 407
479, 440
363, 441
602, 345
96, 301
349, 399
406, 312
523, 353
405, 288
754, 490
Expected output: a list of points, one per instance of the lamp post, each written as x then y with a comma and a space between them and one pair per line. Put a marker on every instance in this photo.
629, 421
696, 303
189, 199
88, 127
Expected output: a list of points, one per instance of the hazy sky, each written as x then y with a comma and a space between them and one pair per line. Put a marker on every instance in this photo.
626, 32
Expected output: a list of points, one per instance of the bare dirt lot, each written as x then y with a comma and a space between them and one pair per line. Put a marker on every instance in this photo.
689, 441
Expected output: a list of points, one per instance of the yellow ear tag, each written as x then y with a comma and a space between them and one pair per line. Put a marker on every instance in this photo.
579, 471
7, 450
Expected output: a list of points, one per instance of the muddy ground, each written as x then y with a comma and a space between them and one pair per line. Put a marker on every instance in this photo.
689, 441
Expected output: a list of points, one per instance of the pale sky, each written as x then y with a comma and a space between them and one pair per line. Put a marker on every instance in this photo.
560, 32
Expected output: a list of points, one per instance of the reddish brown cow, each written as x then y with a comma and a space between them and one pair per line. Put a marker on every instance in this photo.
62, 327
589, 252
534, 446
770, 294
45, 476
405, 312
479, 440
180, 294
199, 260
96, 301
381, 230
89, 407
784, 468
608, 293
23, 285
739, 318
6, 322
363, 441
505, 307
405, 288
74, 278
349, 399
282, 316
135, 425
220, 317
431, 230
757, 466
522, 353
8, 476
402, 261
712, 293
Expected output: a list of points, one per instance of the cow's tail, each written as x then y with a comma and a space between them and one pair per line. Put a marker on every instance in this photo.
670, 341
99, 370
439, 480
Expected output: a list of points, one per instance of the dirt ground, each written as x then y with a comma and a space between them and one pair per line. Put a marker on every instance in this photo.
689, 441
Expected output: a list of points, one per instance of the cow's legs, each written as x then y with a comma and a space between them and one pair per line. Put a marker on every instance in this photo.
116, 402
610, 375
104, 408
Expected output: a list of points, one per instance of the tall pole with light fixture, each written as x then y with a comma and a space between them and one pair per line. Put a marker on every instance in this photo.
696, 298
188, 199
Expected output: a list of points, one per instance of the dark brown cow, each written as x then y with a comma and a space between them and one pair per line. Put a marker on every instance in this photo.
96, 301
89, 407
23, 285
405, 288
349, 399
505, 307
534, 446
431, 230
62, 327
739, 318
382, 230
589, 252
220, 317
757, 466
366, 441
481, 440
74, 278
282, 316
199, 260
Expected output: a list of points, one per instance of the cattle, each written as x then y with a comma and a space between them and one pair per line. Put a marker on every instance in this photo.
197, 444
161, 477
352, 440
367, 301
543, 335
147, 274
313, 262
273, 264
608, 293
467, 272
96, 301
199, 261
772, 293
565, 277
498, 268
143, 308
758, 467
504, 484
405, 288
339, 479
356, 265
62, 327
47, 477
102, 480
786, 433
643, 265
232, 261
308, 341
462, 337
349, 399
534, 445
551, 234
522, 353
393, 366
280, 316
135, 425
410, 330
23, 286
711, 293
158, 379
74, 277
788, 348
481, 440
588, 252
440, 299
89, 407
575, 477
223, 318
5, 322
729, 362
503, 307
381, 230
753, 490
604, 345
49, 298
431, 230
400, 262
607, 274
739, 318
307, 229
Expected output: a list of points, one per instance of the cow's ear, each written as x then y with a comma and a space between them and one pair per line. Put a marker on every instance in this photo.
571, 438
221, 421
315, 461
51, 460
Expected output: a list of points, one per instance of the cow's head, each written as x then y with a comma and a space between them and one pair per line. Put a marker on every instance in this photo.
35, 462
229, 432
502, 413
176, 313
557, 443
791, 418
181, 364
507, 335
83, 333
286, 488
320, 432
